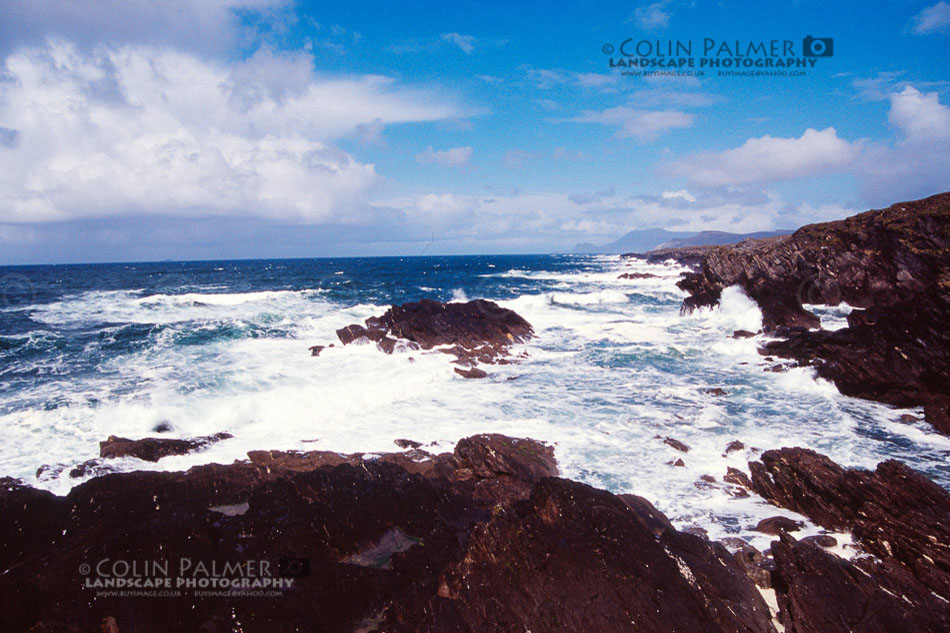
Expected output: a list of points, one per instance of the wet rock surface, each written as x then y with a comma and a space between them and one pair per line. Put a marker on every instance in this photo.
899, 517
485, 538
152, 449
474, 332
481, 539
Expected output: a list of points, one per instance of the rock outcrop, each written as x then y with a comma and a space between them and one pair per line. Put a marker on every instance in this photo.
899, 354
482, 539
899, 517
877, 258
152, 449
474, 332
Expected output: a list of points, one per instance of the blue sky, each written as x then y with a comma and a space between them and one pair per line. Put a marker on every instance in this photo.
196, 129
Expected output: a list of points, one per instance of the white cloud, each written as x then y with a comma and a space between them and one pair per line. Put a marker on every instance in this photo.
682, 194
768, 158
195, 25
920, 117
653, 17
933, 19
918, 164
464, 42
644, 125
136, 130
454, 157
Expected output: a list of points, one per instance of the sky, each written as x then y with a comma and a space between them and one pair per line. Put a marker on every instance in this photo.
136, 130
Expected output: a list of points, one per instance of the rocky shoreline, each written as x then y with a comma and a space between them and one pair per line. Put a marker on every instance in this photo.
891, 265
486, 538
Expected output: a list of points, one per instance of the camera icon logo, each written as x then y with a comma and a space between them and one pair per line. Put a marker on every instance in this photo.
818, 46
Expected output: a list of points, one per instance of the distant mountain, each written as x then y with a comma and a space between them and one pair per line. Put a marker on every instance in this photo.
643, 240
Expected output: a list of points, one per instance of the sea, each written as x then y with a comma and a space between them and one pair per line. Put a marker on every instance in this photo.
197, 348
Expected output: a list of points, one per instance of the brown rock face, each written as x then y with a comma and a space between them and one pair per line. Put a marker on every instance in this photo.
152, 449
478, 331
819, 592
896, 514
572, 558
357, 536
897, 354
483, 539
874, 258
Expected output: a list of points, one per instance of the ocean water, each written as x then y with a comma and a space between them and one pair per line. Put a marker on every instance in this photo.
92, 351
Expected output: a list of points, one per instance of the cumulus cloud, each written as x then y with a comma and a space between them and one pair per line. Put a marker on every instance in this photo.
464, 42
643, 125
933, 19
918, 164
454, 157
193, 25
137, 130
769, 158
921, 118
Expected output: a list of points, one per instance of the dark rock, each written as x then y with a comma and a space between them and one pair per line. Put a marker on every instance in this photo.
152, 449
90, 468
478, 331
877, 258
909, 419
573, 558
637, 276
474, 372
894, 512
109, 625
316, 349
394, 531
757, 566
696, 530
743, 334
717, 391
669, 441
900, 359
822, 540
163, 427
733, 446
737, 477
708, 478
818, 592
679, 463
407, 443
778, 524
